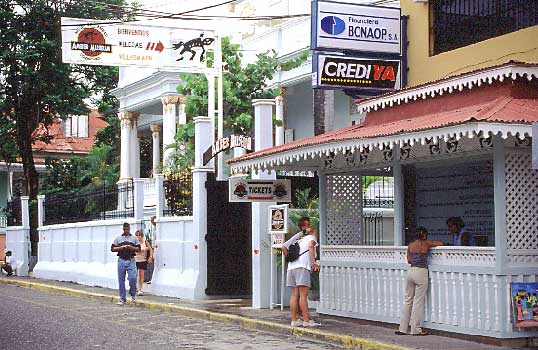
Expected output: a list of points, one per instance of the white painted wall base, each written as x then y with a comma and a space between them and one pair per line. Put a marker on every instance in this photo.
18, 241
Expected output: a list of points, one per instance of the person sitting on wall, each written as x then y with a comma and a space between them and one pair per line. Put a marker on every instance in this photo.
299, 272
11, 263
461, 237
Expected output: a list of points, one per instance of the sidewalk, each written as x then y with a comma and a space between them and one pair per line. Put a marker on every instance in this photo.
341, 331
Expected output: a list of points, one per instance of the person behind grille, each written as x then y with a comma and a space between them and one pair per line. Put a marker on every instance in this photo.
416, 283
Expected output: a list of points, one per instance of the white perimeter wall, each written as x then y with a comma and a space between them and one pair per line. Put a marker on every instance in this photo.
18, 241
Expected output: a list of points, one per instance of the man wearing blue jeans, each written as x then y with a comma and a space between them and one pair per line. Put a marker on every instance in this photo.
126, 246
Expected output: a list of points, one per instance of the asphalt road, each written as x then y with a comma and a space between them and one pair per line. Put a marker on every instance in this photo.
33, 319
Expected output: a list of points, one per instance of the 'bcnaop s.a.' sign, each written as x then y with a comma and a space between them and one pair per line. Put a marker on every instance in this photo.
355, 73
337, 25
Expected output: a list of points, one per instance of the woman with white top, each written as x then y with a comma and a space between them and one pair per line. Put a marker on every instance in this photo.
143, 257
299, 272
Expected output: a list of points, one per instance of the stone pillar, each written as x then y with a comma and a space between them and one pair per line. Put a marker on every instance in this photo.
40, 210
261, 240
138, 199
159, 188
202, 141
155, 130
126, 120
169, 123
279, 130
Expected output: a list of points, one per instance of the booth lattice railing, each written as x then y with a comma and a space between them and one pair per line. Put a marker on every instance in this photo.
101, 203
369, 282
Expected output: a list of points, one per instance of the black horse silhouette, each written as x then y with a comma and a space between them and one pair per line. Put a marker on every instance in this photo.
189, 45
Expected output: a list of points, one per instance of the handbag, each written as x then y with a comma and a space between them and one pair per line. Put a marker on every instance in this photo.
294, 252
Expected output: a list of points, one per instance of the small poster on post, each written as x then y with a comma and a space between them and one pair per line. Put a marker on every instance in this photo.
278, 219
525, 304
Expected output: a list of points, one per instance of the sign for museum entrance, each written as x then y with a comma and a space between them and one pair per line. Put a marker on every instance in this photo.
226, 143
340, 25
243, 190
331, 71
86, 41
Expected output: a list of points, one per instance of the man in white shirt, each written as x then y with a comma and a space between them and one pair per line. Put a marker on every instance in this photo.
299, 272
10, 264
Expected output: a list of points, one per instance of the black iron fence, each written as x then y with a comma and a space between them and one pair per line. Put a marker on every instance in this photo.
114, 201
178, 194
378, 192
14, 212
372, 228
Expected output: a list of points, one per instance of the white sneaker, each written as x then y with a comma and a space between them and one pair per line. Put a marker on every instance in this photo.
120, 303
296, 323
311, 323
140, 293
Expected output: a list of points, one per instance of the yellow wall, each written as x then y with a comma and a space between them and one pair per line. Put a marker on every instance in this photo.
518, 46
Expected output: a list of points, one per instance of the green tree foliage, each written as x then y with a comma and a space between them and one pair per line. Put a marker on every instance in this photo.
241, 84
35, 86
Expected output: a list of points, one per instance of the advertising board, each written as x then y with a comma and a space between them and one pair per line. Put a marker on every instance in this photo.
339, 25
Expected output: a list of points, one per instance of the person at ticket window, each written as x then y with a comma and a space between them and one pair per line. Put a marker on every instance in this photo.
460, 235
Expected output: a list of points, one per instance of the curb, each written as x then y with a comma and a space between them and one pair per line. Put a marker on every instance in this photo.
348, 342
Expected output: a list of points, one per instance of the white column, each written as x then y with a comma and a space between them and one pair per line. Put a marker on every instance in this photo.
159, 188
155, 130
499, 203
322, 180
279, 114
138, 199
202, 141
135, 155
220, 104
261, 240
10, 186
182, 116
169, 124
399, 217
40, 210
125, 157
211, 109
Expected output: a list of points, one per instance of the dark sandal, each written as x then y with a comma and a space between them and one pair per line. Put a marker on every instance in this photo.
400, 333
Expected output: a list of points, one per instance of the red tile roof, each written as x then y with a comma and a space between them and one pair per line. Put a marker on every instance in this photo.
503, 109
61, 144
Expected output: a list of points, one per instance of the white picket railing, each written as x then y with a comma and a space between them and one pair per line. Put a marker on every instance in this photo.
465, 294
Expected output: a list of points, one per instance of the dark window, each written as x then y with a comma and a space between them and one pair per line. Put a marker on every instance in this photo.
458, 23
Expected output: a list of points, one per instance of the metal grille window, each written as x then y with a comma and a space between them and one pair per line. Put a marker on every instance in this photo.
105, 202
458, 23
14, 212
178, 194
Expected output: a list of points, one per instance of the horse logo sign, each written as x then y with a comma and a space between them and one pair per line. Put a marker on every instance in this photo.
192, 46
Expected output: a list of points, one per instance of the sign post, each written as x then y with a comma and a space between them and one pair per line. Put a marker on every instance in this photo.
278, 226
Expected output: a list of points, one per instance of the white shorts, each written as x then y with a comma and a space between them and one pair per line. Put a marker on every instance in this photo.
298, 277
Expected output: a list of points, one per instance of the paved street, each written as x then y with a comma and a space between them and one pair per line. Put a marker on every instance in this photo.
39, 320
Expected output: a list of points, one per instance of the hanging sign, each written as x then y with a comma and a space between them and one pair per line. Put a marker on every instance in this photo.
242, 190
226, 143
278, 218
355, 73
86, 41
339, 25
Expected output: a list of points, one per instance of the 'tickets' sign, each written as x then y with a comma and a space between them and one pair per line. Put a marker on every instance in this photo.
242, 190
226, 143
86, 41
356, 73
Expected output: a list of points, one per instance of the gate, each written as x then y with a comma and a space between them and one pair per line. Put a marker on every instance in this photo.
229, 263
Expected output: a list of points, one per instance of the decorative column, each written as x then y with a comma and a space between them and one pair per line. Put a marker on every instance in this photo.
261, 240
499, 204
135, 154
202, 140
182, 117
169, 124
155, 130
126, 120
399, 199
279, 111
